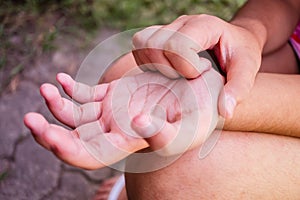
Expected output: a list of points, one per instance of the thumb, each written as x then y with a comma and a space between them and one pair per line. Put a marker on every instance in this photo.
240, 80
158, 132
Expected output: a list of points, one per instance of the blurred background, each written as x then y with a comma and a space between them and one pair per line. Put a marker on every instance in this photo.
39, 38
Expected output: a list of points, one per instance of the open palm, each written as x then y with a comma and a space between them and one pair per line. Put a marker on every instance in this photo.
126, 115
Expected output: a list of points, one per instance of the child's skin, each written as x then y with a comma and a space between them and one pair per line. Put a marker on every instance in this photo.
101, 118
261, 27
180, 52
66, 144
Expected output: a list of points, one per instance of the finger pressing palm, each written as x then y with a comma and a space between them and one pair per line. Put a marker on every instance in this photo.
116, 119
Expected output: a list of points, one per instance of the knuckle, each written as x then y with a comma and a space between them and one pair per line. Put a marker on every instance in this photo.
154, 43
182, 17
137, 39
205, 16
151, 43
172, 45
209, 18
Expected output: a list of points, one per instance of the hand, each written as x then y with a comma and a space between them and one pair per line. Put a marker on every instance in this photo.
127, 115
177, 44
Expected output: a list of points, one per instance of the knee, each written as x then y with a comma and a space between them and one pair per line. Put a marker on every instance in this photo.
242, 165
188, 178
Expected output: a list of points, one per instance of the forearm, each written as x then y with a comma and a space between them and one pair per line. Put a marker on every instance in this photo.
126, 65
273, 106
272, 22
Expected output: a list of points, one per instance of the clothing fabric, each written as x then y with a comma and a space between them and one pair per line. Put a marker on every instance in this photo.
295, 41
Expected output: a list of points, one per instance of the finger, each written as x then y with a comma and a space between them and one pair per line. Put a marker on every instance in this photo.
140, 38
167, 70
148, 45
154, 60
107, 147
158, 136
198, 34
80, 92
154, 47
37, 124
143, 62
122, 66
63, 143
161, 34
240, 79
139, 43
188, 64
66, 111
90, 130
139, 61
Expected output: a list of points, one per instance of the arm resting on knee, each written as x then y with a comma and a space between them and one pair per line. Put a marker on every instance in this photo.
273, 106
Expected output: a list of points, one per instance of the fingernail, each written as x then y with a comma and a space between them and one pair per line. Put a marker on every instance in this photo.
63, 78
144, 126
204, 65
142, 120
230, 104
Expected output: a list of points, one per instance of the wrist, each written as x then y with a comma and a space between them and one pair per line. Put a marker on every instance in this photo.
254, 27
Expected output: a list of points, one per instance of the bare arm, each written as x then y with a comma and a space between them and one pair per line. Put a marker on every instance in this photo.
274, 100
270, 107
119, 68
271, 21
273, 106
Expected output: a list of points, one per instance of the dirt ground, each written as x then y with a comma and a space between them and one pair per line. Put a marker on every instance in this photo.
27, 171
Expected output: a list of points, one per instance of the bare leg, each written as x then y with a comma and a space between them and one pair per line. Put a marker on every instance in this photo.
241, 166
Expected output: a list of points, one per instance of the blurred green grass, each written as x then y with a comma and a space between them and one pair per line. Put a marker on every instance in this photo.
90, 14
30, 28
136, 13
